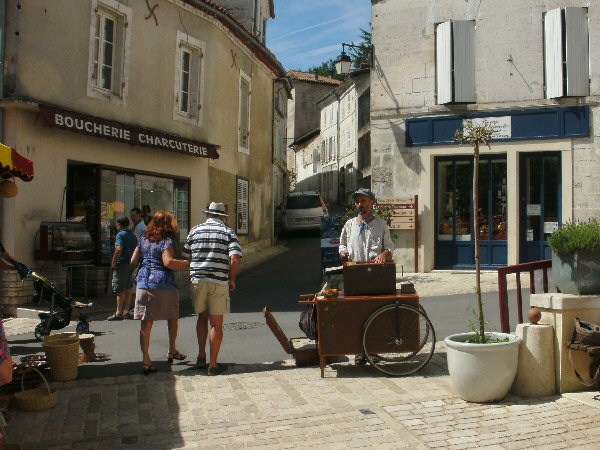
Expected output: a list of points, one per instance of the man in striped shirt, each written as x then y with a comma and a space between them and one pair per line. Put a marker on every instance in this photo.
215, 254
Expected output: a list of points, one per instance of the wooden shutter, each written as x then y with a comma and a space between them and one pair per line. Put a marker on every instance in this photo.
553, 55
444, 62
577, 45
242, 199
463, 62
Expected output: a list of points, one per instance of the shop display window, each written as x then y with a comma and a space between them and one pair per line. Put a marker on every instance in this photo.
119, 192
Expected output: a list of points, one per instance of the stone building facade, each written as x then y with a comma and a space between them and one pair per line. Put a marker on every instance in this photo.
164, 107
528, 68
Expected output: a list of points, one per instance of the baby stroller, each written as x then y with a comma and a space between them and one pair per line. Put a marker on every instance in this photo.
61, 308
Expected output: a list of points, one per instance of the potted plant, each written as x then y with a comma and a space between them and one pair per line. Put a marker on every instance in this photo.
576, 257
482, 365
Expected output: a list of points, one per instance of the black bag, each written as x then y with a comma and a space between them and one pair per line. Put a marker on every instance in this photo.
308, 322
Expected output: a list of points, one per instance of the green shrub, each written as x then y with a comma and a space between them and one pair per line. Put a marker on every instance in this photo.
575, 236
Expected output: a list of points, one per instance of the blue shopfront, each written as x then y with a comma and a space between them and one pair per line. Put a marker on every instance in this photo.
534, 177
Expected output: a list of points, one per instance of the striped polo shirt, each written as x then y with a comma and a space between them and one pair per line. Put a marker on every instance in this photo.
210, 246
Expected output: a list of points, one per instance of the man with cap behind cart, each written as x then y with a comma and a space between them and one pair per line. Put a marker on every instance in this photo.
365, 237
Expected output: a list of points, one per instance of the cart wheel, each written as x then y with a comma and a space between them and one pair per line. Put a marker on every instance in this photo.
41, 330
82, 327
398, 339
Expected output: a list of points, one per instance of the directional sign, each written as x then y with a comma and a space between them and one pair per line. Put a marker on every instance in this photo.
402, 226
403, 212
403, 223
401, 200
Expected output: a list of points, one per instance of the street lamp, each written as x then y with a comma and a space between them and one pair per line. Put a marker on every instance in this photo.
343, 62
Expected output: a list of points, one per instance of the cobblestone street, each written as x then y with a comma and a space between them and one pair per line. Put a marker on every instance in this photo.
281, 406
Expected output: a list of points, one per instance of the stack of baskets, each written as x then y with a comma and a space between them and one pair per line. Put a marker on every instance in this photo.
62, 354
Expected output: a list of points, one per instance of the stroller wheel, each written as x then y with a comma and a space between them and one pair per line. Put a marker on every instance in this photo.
41, 330
82, 327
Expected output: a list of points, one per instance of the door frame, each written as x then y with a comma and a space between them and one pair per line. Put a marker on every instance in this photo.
457, 248
544, 249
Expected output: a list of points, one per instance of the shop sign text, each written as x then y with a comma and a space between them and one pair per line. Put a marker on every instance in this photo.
95, 126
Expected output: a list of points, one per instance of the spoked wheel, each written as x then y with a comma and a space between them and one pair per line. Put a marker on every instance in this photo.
41, 331
398, 339
82, 327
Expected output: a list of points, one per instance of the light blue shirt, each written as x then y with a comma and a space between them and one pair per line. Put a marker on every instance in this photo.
364, 243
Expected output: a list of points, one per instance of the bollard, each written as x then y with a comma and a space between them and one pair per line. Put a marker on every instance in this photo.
535, 372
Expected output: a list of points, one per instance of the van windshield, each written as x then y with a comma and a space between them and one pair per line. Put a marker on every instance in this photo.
303, 202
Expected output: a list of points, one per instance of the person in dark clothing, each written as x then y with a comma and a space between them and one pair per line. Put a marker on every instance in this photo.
125, 244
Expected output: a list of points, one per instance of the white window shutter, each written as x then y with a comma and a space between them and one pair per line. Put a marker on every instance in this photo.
553, 53
444, 62
463, 46
576, 33
243, 188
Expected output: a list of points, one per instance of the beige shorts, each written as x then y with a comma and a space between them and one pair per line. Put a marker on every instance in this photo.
210, 296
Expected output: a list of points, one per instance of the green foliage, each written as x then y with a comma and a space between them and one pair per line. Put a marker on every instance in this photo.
574, 236
383, 211
474, 134
361, 55
327, 69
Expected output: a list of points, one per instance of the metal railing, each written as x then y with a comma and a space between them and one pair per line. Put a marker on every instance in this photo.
517, 269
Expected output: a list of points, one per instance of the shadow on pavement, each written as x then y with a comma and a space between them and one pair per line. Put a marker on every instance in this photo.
277, 283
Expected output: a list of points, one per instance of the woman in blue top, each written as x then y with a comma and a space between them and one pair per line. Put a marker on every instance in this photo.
157, 297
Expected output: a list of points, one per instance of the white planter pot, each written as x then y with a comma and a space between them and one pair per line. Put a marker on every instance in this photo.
482, 372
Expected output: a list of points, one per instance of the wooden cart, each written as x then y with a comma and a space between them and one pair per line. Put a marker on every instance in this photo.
393, 331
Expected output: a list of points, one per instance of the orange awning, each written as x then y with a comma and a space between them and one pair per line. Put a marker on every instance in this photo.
12, 164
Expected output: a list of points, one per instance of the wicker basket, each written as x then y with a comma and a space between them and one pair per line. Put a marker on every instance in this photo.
61, 339
36, 399
63, 357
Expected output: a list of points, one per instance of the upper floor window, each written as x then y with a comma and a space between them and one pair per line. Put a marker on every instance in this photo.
566, 52
188, 80
455, 61
109, 47
244, 118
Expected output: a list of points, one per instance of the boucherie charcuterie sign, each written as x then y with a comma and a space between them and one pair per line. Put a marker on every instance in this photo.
116, 131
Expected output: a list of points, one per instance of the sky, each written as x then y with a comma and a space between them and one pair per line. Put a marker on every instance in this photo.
306, 33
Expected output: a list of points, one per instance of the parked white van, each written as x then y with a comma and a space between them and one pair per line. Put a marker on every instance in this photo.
303, 211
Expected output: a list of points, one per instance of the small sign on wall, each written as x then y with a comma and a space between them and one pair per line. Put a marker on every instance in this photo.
502, 125
534, 210
550, 227
530, 235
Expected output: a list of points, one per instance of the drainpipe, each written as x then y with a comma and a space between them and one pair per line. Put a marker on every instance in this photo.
7, 222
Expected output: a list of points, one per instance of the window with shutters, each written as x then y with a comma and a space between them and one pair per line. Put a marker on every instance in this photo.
315, 160
244, 119
242, 196
455, 61
189, 71
566, 53
108, 52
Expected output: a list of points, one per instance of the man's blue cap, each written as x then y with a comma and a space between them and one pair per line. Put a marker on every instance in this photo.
363, 191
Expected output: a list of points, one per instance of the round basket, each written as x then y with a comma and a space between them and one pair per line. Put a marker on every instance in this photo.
36, 399
63, 358
61, 339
